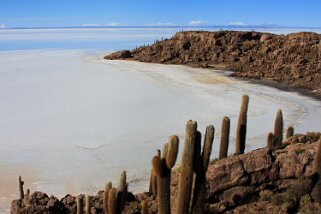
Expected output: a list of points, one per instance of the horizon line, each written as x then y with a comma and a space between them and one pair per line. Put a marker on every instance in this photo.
261, 26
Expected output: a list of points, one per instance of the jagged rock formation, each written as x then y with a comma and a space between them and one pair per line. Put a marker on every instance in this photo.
261, 181
293, 59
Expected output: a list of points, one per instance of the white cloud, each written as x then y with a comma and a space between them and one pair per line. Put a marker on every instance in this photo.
198, 22
112, 24
162, 24
239, 23
2, 26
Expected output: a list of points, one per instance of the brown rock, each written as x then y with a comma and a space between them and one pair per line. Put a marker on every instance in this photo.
292, 59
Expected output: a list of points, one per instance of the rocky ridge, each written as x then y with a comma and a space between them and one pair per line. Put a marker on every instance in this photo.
293, 59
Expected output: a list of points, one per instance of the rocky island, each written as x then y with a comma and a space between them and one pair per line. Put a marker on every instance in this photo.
286, 61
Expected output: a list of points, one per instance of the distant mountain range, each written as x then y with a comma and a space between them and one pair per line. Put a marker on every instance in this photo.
231, 26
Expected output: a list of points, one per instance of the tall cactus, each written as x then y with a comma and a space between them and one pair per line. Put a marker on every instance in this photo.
153, 179
197, 152
80, 205
144, 207
87, 208
199, 194
108, 187
21, 183
289, 132
278, 129
270, 141
163, 168
186, 175
241, 126
112, 201
316, 191
121, 192
225, 135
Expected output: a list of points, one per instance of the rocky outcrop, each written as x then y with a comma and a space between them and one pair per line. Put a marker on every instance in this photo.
261, 181
293, 59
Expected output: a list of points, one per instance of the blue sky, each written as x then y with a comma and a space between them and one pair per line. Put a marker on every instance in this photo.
59, 13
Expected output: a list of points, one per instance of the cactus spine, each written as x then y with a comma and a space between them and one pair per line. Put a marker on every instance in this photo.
225, 135
121, 192
270, 141
21, 183
289, 132
199, 194
112, 201
87, 209
278, 129
241, 126
80, 205
163, 168
186, 175
108, 186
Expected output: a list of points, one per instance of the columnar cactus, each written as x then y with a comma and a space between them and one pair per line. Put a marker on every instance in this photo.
186, 175
112, 201
80, 205
108, 187
197, 152
225, 135
278, 129
316, 191
87, 208
165, 149
121, 192
21, 183
289, 132
199, 194
153, 179
144, 207
163, 168
270, 141
241, 126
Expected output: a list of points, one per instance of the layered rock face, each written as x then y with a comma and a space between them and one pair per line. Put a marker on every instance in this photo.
261, 181
294, 59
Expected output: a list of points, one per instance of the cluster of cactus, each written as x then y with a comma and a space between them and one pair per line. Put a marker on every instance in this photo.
194, 164
115, 199
192, 191
275, 140
80, 204
194, 161
162, 167
201, 160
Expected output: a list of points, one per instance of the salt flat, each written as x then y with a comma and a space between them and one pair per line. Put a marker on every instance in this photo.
70, 121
